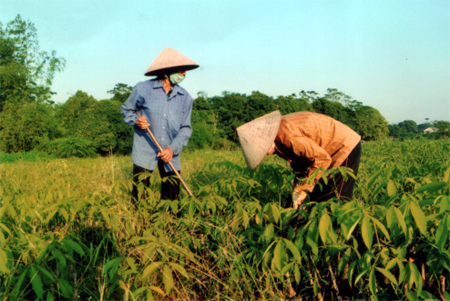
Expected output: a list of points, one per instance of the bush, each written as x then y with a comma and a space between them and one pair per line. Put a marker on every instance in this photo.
69, 147
29, 156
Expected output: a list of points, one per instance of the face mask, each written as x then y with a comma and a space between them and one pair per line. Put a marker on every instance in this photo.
176, 78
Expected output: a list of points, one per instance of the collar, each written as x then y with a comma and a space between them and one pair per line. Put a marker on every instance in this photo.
157, 83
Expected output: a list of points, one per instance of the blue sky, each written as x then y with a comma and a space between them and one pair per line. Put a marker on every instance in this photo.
391, 55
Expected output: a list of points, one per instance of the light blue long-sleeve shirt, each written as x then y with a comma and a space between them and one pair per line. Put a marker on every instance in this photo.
169, 118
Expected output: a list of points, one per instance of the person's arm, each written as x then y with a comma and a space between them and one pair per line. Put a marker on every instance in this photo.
184, 133
305, 149
131, 106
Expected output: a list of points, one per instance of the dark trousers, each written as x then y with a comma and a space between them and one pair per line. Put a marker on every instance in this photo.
170, 189
337, 186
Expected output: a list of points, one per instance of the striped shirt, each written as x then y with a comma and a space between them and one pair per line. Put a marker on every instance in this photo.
311, 140
169, 118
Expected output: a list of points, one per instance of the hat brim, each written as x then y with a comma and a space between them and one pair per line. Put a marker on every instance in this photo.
171, 70
256, 137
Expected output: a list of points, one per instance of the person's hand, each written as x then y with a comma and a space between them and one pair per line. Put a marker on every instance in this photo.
166, 154
298, 198
142, 123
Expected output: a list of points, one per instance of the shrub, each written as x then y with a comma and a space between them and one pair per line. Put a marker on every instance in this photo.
69, 147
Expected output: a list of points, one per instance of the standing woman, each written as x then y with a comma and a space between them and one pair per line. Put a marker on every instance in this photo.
166, 108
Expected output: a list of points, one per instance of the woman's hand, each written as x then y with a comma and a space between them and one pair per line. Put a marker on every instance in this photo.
166, 154
142, 123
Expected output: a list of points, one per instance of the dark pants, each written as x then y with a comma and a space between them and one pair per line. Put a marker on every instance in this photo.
170, 189
337, 186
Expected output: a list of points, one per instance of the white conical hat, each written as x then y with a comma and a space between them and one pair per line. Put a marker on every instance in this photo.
257, 136
170, 60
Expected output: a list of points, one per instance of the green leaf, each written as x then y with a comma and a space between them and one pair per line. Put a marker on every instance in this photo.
390, 217
381, 227
391, 188
278, 255
444, 204
388, 275
73, 246
372, 282
168, 279
419, 218
18, 286
191, 210
295, 252
45, 272
245, 218
111, 266
367, 232
373, 178
431, 187
400, 220
269, 232
151, 268
157, 289
276, 213
324, 226
6, 261
316, 287
349, 234
179, 269
297, 273
344, 260
411, 296
442, 234
36, 282
66, 288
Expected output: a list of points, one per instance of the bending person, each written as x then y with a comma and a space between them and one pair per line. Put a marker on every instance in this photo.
308, 141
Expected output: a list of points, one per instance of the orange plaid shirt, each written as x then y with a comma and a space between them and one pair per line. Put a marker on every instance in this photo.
312, 140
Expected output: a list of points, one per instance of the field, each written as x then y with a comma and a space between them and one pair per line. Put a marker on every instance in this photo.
68, 230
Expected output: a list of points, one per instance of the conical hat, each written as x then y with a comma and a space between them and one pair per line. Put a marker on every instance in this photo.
257, 136
170, 60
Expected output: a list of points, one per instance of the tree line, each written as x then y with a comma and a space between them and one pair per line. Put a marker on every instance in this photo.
84, 126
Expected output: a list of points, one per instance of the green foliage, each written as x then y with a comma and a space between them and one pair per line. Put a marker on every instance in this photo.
26, 74
121, 92
31, 156
370, 124
408, 129
98, 122
26, 71
73, 233
69, 147
25, 126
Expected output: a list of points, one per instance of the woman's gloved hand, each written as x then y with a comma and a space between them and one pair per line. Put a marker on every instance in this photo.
298, 198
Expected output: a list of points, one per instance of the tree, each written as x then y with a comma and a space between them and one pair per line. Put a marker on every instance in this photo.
442, 125
370, 124
82, 116
291, 104
122, 132
31, 125
26, 71
26, 74
410, 126
121, 92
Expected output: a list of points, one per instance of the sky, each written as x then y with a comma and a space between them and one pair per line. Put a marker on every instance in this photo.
391, 55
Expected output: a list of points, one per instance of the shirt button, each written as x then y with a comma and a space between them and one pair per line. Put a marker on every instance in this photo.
164, 127
164, 115
162, 138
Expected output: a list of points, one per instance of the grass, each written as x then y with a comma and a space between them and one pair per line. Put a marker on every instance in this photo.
68, 230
